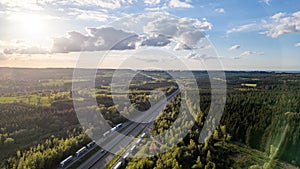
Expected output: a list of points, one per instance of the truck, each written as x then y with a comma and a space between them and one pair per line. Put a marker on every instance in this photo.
126, 155
65, 162
143, 135
81, 151
132, 148
119, 164
106, 133
117, 127
138, 141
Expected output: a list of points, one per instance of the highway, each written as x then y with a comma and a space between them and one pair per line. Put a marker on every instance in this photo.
116, 142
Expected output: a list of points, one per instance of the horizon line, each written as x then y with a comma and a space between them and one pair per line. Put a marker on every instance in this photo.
108, 68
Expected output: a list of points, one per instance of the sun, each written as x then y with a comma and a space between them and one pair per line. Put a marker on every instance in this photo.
29, 25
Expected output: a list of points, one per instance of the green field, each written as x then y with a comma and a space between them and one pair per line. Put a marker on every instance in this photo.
249, 85
34, 99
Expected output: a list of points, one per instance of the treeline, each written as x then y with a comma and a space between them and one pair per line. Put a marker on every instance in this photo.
24, 126
47, 154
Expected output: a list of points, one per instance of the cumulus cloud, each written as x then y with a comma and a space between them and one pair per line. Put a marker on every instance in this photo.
179, 4
280, 24
156, 40
297, 44
220, 10
205, 47
186, 31
234, 47
104, 38
241, 28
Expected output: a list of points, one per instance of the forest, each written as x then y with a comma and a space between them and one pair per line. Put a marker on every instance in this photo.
260, 127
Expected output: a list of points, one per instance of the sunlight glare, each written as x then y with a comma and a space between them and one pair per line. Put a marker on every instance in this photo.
31, 26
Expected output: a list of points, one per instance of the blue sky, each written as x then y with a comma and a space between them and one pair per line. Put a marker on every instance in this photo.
244, 35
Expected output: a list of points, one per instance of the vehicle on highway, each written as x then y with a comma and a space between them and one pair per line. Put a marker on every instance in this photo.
106, 133
102, 151
66, 161
125, 156
138, 141
117, 127
91, 144
119, 165
133, 148
81, 151
143, 135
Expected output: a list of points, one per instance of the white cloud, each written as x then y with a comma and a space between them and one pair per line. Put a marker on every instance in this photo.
152, 2
297, 44
109, 4
29, 50
280, 24
220, 10
17, 5
157, 8
41, 4
104, 38
153, 9
234, 47
179, 4
22, 47
266, 2
245, 54
196, 56
157, 40
205, 47
156, 30
186, 31
241, 28
278, 16
248, 53
275, 26
91, 15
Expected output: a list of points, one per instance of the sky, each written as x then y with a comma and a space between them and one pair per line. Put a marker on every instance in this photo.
194, 34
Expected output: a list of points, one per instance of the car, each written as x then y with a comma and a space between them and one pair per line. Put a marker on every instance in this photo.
90, 145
